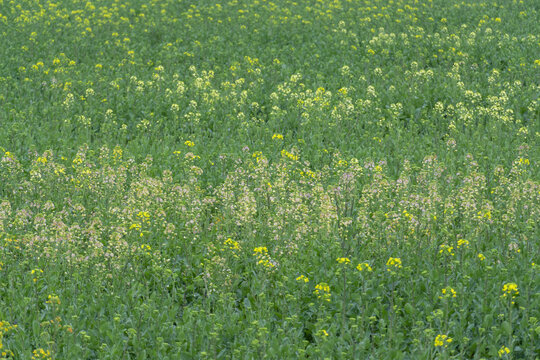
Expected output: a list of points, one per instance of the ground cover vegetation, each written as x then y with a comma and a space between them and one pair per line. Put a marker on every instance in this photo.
269, 179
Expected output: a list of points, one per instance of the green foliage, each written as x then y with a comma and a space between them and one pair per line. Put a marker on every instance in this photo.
256, 179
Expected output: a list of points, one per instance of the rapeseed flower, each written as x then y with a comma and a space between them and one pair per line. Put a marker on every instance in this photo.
503, 351
510, 290
364, 266
322, 290
446, 250
393, 263
448, 292
442, 340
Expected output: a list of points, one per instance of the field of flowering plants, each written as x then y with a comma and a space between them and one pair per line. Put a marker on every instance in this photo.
249, 179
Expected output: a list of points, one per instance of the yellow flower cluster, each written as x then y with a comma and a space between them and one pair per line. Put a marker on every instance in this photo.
503, 351
442, 340
322, 333
36, 273
146, 248
233, 245
364, 266
277, 136
462, 243
53, 299
144, 215
393, 263
289, 155
4, 328
302, 278
448, 292
41, 354
263, 258
343, 260
510, 289
446, 250
322, 291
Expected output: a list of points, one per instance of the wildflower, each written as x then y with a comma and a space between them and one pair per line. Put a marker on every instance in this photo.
481, 257
146, 247
364, 266
144, 215
462, 243
263, 258
445, 249
343, 260
510, 289
322, 332
503, 351
277, 136
442, 340
189, 143
448, 292
233, 245
302, 278
285, 153
36, 273
393, 263
322, 291
41, 354
53, 299
135, 226
261, 250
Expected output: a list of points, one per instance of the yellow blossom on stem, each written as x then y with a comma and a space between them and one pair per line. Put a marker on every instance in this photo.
503, 351
364, 266
442, 340
393, 263
322, 291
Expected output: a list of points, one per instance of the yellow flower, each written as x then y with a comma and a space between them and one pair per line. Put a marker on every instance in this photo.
503, 350
448, 292
322, 291
510, 289
481, 257
53, 299
462, 243
302, 278
285, 153
189, 143
322, 332
277, 136
364, 266
261, 250
233, 245
343, 260
445, 249
393, 263
442, 340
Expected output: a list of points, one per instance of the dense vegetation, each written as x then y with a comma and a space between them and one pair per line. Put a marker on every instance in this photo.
258, 179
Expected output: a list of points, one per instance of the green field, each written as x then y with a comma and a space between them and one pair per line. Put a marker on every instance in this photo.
311, 179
